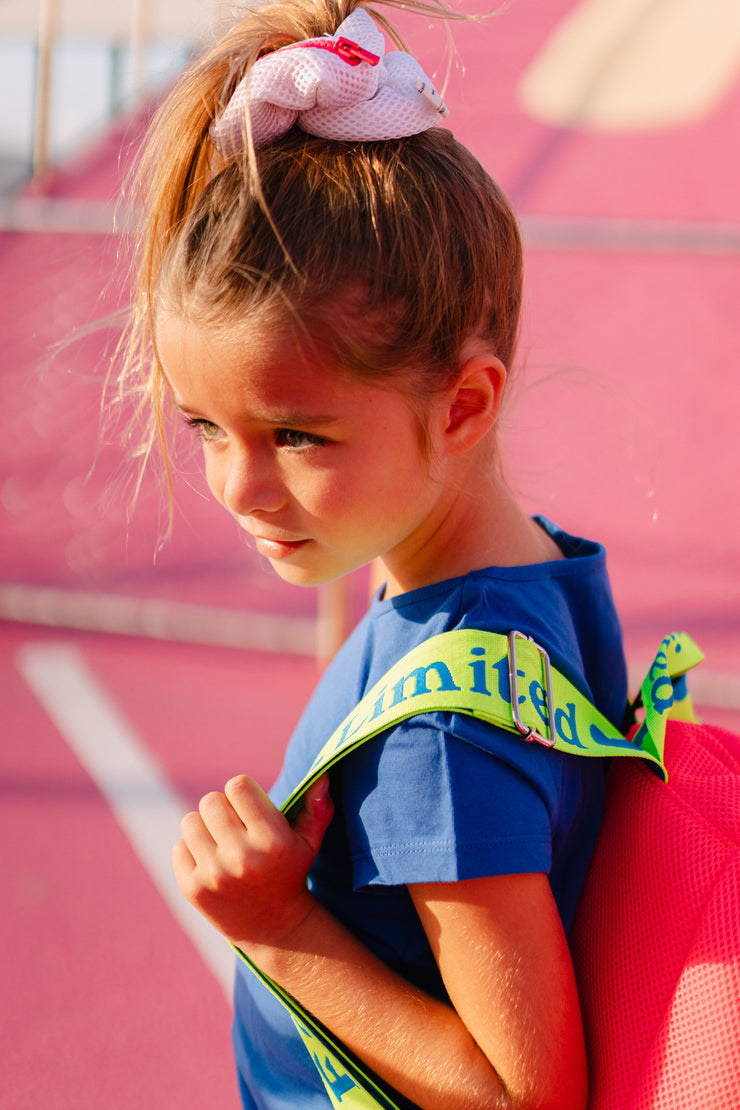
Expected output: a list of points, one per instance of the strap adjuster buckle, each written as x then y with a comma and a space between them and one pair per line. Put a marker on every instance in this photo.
350, 52
527, 731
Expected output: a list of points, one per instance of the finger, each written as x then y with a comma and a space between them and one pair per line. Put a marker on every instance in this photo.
316, 814
183, 863
249, 801
219, 817
196, 836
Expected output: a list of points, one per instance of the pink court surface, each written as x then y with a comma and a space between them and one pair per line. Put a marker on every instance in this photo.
622, 425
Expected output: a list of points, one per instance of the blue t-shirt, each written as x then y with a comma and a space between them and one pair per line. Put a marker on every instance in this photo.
441, 797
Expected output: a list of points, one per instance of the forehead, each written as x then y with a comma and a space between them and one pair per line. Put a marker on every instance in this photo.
255, 368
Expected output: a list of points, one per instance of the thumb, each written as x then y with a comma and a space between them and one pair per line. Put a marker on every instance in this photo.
318, 810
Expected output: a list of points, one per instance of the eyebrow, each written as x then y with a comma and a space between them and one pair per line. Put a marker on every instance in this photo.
299, 419
278, 419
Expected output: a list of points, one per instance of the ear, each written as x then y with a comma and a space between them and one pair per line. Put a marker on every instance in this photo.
472, 404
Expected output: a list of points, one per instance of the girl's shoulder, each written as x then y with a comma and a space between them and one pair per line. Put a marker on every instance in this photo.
566, 605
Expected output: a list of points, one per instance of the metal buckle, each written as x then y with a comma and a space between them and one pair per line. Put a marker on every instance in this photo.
526, 730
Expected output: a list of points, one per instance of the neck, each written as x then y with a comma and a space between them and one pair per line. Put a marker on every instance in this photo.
479, 524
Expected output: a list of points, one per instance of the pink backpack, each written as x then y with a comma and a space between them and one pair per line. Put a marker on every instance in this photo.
656, 940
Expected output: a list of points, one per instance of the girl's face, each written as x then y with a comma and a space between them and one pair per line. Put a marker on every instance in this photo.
324, 471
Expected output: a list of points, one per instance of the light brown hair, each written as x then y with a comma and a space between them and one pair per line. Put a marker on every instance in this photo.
386, 255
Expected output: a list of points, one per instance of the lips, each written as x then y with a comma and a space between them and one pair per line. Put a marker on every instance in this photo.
277, 549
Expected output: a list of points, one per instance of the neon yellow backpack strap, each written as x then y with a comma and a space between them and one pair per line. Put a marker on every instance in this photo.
509, 682
474, 672
347, 1084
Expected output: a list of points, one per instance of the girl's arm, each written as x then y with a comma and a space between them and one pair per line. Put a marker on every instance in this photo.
502, 952
513, 1039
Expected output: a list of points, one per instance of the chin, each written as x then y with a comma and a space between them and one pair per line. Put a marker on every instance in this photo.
302, 576
312, 576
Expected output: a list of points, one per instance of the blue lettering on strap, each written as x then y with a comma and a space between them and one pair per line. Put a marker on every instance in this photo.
446, 682
660, 663
378, 707
352, 727
644, 741
340, 1084
504, 685
568, 716
538, 699
502, 673
616, 741
662, 704
479, 673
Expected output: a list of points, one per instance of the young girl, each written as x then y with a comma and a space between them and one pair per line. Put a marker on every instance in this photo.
331, 286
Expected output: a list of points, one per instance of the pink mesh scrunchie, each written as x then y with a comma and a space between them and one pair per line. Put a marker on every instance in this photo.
339, 87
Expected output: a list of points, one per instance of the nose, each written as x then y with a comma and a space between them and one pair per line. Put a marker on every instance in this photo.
245, 480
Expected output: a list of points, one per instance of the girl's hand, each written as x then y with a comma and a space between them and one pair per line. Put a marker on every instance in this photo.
245, 867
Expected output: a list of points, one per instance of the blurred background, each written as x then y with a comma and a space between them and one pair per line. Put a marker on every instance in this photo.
136, 672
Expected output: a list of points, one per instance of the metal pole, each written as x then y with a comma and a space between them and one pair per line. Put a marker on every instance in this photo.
333, 613
138, 47
45, 56
116, 84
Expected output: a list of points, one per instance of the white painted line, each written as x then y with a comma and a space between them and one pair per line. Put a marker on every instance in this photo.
636, 236
157, 619
63, 216
146, 807
44, 216
615, 65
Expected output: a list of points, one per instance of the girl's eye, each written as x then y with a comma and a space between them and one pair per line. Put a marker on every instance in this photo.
297, 441
204, 429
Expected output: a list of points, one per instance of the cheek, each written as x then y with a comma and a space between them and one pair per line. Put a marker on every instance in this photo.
367, 495
214, 475
397, 469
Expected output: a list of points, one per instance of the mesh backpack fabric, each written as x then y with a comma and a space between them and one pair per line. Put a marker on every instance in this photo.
656, 940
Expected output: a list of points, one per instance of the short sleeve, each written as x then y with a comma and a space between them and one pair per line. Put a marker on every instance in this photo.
441, 798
